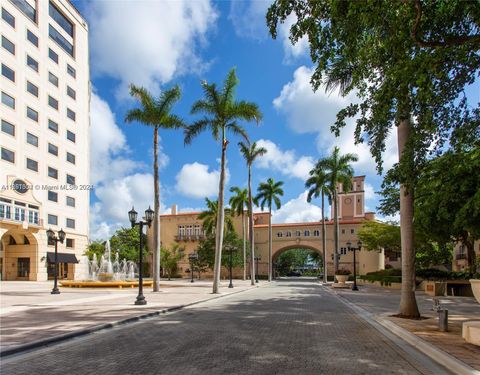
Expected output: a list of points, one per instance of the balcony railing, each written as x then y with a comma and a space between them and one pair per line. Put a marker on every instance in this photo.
19, 214
460, 256
189, 237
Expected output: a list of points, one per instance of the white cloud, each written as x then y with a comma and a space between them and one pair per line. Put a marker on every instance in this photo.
369, 192
298, 210
248, 18
148, 42
292, 51
314, 112
285, 162
196, 181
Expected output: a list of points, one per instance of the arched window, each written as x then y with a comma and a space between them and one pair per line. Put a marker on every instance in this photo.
316, 233
298, 233
306, 233
288, 234
279, 234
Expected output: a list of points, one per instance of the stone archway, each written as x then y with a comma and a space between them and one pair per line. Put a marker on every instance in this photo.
298, 246
19, 255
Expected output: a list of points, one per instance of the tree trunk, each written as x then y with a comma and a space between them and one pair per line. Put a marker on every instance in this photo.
220, 219
408, 303
270, 244
336, 231
156, 220
324, 239
244, 246
250, 226
471, 256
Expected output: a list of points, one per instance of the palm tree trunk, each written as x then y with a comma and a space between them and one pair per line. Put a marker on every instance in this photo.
336, 231
250, 226
156, 221
270, 244
408, 303
244, 246
324, 239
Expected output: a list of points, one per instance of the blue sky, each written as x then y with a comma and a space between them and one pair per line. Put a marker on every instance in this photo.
159, 44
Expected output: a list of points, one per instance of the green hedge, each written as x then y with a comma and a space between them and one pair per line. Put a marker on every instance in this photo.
434, 274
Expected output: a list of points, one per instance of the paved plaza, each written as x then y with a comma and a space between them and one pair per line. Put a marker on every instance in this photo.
286, 327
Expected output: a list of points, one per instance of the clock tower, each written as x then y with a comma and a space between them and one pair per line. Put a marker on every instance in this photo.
351, 205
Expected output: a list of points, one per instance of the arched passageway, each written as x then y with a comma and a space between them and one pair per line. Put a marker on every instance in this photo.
297, 260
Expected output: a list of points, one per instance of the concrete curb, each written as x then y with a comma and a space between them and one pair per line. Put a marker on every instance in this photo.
101, 327
439, 356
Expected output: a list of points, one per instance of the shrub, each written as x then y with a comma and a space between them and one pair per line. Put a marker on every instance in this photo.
388, 266
343, 272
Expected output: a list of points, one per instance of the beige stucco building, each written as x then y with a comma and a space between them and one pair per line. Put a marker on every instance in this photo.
44, 137
186, 229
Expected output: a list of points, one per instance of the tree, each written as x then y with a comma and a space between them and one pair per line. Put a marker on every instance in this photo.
95, 247
251, 152
210, 217
155, 113
319, 186
238, 202
126, 241
222, 113
267, 194
206, 250
293, 259
408, 62
170, 259
337, 170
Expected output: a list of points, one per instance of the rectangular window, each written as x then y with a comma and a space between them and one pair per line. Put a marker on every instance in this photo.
9, 46
32, 165
23, 267
52, 149
70, 243
60, 40
32, 38
52, 219
70, 179
32, 63
8, 155
52, 102
53, 173
70, 114
32, 89
26, 9
71, 70
71, 93
52, 196
53, 79
8, 18
32, 114
71, 136
8, 128
70, 201
32, 139
71, 223
352, 231
8, 73
53, 126
53, 56
8, 100
70, 158
59, 18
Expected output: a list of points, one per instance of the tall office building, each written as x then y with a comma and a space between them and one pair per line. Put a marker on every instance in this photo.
44, 137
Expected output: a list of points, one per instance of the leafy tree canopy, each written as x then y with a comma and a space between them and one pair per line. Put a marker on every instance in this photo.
169, 259
206, 250
127, 242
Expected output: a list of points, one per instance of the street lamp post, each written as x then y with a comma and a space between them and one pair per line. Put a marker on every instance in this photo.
132, 216
257, 258
349, 245
192, 258
60, 238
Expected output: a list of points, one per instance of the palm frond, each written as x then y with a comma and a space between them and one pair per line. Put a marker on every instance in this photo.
167, 99
143, 95
195, 129
228, 91
247, 111
237, 130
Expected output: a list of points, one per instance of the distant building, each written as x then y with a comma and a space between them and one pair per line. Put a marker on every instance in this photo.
186, 229
44, 137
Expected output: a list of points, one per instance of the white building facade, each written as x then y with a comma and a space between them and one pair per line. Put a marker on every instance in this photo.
44, 137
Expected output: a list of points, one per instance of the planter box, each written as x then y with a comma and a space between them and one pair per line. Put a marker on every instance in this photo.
341, 278
475, 283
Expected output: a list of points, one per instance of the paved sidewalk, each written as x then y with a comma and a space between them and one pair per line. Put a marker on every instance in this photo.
29, 312
383, 302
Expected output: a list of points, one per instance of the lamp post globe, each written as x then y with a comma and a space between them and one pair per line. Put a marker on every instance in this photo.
149, 214
61, 235
132, 216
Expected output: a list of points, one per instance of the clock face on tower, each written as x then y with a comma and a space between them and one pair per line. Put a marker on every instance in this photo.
348, 200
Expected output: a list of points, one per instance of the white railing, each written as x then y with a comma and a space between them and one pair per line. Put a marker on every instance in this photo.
20, 214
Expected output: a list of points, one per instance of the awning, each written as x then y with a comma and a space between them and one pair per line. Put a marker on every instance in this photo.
62, 258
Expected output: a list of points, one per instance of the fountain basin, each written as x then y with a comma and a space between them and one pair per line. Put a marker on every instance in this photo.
105, 277
103, 284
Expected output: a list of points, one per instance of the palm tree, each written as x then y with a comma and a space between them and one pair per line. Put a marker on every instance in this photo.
222, 112
170, 259
210, 217
250, 153
238, 202
319, 186
155, 113
268, 193
337, 170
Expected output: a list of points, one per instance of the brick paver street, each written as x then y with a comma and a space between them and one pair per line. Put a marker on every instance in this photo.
292, 327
